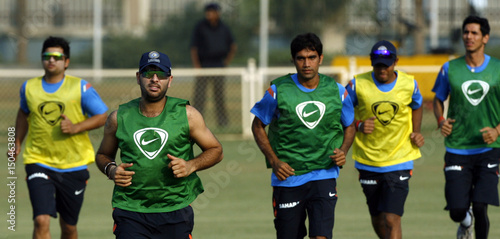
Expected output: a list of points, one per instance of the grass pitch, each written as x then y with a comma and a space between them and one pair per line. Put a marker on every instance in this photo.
237, 200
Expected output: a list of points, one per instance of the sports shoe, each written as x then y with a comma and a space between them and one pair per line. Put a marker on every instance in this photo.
466, 232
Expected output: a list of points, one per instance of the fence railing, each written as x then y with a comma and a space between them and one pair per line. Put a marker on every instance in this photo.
244, 86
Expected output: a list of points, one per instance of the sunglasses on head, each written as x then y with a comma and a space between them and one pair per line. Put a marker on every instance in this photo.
162, 75
381, 54
57, 56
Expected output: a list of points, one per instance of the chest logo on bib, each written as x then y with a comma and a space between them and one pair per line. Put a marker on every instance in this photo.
51, 111
310, 113
150, 141
475, 91
385, 111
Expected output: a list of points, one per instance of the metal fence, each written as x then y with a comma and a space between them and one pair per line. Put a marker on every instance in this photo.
243, 87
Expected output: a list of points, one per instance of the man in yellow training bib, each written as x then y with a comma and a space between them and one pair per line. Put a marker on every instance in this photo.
388, 115
58, 110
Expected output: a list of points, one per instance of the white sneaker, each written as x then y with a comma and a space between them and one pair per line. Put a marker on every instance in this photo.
466, 232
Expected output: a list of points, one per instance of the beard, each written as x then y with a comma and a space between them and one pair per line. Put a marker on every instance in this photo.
147, 96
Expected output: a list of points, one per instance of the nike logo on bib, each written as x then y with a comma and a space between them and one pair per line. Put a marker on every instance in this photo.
308, 110
475, 91
150, 141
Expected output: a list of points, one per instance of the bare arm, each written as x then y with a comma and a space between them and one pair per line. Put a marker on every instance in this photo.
203, 137
91, 123
416, 137
280, 168
195, 58
21, 131
339, 154
230, 55
107, 152
446, 125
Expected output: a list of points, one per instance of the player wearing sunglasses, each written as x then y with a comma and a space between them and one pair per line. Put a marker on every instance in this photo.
156, 181
388, 112
56, 113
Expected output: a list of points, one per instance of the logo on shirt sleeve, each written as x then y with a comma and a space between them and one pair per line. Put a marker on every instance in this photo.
51, 111
475, 91
385, 111
150, 141
310, 113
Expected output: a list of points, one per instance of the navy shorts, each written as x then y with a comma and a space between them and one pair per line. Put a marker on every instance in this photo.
315, 199
54, 192
471, 178
385, 192
166, 225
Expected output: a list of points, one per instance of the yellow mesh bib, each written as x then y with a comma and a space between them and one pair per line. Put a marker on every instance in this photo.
390, 143
45, 143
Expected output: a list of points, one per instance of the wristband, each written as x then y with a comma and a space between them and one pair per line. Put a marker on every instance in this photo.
441, 119
106, 168
358, 124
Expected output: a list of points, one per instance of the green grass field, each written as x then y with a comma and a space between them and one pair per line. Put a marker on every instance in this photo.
237, 198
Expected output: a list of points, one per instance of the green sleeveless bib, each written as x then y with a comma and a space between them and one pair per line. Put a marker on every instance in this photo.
474, 103
146, 142
309, 126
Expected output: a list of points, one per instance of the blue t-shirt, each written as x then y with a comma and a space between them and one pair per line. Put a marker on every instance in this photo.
266, 110
91, 103
416, 103
442, 89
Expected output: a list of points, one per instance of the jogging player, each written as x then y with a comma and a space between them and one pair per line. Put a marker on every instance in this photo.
471, 130
388, 110
310, 131
156, 181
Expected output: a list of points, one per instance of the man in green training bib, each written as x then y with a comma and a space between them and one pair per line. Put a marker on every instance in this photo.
310, 118
156, 181
471, 130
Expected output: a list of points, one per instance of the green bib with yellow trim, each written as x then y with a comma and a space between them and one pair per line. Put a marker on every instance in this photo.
390, 143
45, 143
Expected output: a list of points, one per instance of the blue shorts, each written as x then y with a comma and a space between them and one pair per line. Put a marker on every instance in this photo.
54, 192
315, 199
471, 178
385, 192
166, 225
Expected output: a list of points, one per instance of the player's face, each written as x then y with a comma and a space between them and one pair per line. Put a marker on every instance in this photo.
154, 83
473, 38
384, 74
52, 63
307, 63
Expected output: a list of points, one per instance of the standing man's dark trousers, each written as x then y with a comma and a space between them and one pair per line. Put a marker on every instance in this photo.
218, 89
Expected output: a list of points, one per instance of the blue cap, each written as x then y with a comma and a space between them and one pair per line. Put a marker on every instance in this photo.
383, 52
157, 59
212, 6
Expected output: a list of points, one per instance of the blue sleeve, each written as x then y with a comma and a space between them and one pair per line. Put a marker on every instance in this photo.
417, 98
266, 108
351, 90
92, 103
442, 85
347, 116
22, 95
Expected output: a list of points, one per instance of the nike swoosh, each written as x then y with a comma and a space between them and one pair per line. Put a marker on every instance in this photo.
79, 192
470, 92
332, 194
383, 112
48, 112
403, 178
308, 114
148, 142
492, 165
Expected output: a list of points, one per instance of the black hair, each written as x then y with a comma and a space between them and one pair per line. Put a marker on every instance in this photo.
56, 42
483, 22
306, 41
